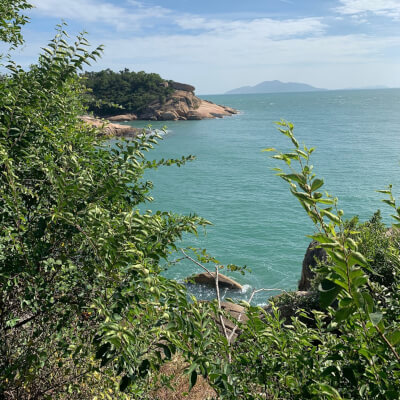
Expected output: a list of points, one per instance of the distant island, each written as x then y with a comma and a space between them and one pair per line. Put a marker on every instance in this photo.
275, 87
291, 87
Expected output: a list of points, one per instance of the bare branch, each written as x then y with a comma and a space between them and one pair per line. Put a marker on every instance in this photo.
197, 263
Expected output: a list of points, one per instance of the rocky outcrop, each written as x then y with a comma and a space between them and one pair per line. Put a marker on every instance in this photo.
208, 279
182, 86
312, 257
122, 117
110, 129
182, 104
237, 312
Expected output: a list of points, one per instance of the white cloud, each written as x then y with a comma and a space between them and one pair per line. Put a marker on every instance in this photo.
98, 12
387, 8
258, 28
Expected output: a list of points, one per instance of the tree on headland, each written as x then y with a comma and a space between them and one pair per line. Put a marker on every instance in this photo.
132, 91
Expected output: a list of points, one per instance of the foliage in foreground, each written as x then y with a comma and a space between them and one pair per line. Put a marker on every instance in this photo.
84, 312
82, 305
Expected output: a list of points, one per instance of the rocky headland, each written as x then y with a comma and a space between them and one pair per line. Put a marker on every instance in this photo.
182, 104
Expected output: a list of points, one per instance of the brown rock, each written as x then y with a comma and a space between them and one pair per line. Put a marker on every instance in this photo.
184, 105
312, 257
123, 117
168, 116
182, 86
193, 115
236, 311
209, 279
110, 129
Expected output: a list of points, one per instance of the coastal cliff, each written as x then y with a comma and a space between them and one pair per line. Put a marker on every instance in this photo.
182, 104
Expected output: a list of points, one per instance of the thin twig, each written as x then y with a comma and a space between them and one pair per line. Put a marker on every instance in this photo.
197, 263
221, 318
382, 335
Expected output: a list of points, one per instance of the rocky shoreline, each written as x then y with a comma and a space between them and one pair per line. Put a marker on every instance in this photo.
111, 129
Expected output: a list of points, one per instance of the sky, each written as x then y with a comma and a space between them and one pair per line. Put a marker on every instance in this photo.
218, 45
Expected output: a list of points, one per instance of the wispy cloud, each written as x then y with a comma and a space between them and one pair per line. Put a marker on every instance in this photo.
386, 8
258, 28
129, 16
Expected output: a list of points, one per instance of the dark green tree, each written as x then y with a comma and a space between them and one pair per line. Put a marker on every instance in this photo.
133, 91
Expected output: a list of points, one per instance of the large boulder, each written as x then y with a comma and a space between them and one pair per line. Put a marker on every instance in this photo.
168, 116
182, 86
193, 115
122, 117
313, 255
238, 313
182, 104
208, 279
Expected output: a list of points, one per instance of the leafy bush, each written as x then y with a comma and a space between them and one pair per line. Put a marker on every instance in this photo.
83, 308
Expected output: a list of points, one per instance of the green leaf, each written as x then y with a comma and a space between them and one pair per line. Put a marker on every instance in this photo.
328, 293
357, 258
321, 238
369, 303
334, 218
294, 177
375, 318
316, 184
394, 337
325, 389
343, 313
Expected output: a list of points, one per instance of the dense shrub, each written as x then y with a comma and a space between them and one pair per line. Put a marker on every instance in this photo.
83, 308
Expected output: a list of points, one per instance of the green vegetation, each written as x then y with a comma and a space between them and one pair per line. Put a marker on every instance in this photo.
84, 311
133, 91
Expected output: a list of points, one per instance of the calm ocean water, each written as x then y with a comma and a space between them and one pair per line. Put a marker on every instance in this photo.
256, 221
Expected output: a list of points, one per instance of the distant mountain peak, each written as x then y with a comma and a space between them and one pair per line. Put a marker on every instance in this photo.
275, 86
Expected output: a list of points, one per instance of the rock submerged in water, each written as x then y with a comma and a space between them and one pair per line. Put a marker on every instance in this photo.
208, 279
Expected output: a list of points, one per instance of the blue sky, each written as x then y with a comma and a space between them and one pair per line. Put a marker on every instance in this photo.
220, 45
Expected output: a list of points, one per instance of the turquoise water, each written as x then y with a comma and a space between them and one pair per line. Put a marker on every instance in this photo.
256, 221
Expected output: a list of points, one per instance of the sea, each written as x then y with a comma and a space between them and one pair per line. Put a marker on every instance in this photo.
256, 221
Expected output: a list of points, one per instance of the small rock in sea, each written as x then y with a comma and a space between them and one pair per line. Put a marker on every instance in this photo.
208, 279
